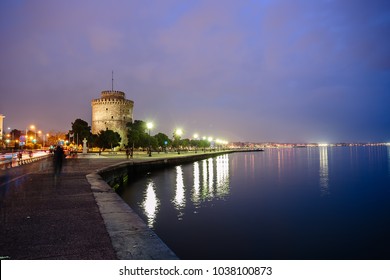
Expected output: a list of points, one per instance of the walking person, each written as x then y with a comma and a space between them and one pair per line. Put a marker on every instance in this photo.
127, 152
58, 159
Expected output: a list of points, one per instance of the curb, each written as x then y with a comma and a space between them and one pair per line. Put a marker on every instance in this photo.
131, 238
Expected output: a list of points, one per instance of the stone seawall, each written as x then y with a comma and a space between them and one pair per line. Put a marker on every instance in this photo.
117, 175
130, 236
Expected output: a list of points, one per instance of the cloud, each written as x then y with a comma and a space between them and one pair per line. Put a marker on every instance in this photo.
267, 64
202, 46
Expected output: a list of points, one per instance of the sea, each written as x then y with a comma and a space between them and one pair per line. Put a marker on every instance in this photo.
314, 203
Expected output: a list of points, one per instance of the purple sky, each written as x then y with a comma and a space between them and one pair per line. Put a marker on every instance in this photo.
286, 71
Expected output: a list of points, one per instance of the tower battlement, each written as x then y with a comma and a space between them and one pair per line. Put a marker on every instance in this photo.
111, 101
113, 94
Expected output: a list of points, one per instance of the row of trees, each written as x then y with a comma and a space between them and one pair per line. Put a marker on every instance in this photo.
138, 137
137, 134
104, 139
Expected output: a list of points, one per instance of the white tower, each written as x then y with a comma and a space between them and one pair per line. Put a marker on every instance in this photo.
112, 111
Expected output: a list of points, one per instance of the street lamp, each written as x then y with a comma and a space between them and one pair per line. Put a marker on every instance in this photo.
196, 142
35, 131
40, 135
12, 134
177, 134
149, 125
210, 139
7, 141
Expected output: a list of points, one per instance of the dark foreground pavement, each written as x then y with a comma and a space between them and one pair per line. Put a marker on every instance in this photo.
75, 215
44, 217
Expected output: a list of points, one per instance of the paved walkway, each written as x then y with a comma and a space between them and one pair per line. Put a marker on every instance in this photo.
48, 217
44, 217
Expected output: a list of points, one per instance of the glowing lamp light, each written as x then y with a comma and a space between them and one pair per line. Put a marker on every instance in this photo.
179, 132
149, 125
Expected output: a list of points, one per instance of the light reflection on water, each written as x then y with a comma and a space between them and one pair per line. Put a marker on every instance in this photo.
388, 158
213, 172
179, 200
151, 203
196, 189
324, 171
222, 177
319, 203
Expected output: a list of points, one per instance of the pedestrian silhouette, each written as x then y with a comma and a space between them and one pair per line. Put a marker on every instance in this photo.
58, 159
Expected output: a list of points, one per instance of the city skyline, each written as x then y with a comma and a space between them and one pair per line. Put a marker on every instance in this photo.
259, 71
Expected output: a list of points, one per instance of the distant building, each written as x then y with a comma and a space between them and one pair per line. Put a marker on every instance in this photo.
112, 111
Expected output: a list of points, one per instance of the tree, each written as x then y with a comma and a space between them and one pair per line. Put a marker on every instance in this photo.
54, 137
185, 143
137, 134
195, 144
81, 130
204, 144
162, 140
107, 139
15, 134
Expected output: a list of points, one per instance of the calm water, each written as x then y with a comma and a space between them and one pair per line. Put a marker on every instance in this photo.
302, 203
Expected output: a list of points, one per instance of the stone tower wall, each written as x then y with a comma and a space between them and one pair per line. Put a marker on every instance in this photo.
112, 111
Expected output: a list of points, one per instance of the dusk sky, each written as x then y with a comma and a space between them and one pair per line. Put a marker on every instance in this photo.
285, 71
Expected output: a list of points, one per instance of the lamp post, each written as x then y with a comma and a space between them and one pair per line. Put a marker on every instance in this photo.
12, 134
210, 139
149, 125
7, 140
196, 136
40, 136
35, 131
177, 134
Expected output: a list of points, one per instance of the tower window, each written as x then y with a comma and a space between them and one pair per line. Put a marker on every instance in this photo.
112, 117
106, 109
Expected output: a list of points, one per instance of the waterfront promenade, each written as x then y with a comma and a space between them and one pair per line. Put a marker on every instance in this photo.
72, 216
